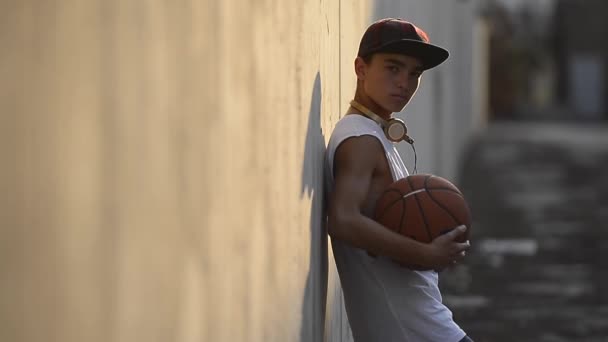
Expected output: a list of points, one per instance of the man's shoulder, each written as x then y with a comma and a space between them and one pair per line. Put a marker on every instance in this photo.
356, 136
354, 119
354, 125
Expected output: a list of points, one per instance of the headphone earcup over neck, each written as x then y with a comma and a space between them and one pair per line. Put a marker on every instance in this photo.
396, 131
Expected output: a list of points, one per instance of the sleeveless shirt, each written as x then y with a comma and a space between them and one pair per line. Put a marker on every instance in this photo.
385, 301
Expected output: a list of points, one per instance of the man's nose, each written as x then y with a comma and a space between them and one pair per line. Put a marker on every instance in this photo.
402, 81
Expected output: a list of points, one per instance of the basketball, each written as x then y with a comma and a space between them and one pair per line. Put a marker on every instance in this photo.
423, 207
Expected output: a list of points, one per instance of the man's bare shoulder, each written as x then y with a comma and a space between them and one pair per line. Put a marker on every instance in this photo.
356, 145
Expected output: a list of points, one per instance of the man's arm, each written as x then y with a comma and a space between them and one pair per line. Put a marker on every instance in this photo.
354, 164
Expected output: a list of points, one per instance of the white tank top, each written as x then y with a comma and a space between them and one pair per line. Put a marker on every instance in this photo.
385, 301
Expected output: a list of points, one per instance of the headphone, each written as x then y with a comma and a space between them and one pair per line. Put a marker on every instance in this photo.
394, 129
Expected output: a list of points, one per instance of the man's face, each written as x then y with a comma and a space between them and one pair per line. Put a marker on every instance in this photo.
390, 79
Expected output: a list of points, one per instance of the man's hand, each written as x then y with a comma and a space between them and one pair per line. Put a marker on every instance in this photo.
445, 251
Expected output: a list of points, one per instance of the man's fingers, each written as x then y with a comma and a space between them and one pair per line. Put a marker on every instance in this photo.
459, 230
455, 232
462, 247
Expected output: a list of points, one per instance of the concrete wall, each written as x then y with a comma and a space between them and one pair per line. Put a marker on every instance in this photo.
162, 167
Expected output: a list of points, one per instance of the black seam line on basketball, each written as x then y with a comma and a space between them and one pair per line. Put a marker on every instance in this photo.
404, 208
387, 207
444, 207
426, 223
447, 190
426, 186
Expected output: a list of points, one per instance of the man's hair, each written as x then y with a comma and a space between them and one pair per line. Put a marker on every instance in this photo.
367, 58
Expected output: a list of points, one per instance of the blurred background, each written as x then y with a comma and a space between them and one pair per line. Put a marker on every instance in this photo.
162, 165
535, 179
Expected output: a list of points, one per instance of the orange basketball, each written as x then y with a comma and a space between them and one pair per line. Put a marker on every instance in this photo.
423, 207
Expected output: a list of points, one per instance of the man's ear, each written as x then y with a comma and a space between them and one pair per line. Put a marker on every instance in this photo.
360, 68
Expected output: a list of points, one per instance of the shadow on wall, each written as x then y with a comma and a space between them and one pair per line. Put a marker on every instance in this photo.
315, 294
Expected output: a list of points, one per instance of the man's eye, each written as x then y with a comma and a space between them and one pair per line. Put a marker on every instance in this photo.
393, 68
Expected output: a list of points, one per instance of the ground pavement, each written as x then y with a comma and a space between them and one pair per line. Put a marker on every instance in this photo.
538, 266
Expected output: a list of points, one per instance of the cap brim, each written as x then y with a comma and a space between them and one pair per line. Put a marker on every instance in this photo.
430, 55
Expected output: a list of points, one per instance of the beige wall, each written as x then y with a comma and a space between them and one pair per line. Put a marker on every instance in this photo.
162, 168
161, 175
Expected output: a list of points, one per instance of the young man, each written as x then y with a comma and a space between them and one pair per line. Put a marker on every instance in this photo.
384, 300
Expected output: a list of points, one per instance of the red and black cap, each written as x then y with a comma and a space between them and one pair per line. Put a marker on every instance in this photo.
392, 35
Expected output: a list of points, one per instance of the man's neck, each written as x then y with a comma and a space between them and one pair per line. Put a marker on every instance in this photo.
372, 105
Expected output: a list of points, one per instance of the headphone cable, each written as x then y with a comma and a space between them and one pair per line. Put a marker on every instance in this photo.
415, 159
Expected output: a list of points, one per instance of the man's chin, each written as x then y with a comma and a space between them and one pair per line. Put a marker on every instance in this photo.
396, 108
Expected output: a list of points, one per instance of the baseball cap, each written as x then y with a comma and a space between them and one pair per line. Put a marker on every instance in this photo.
394, 35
